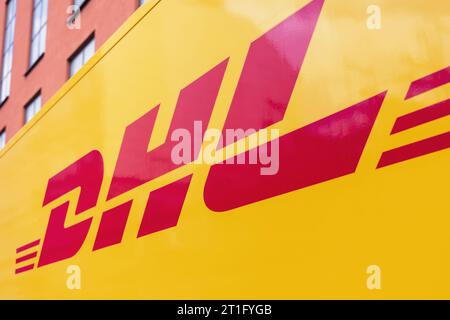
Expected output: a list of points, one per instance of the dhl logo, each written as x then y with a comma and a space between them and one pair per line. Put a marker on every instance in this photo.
321, 151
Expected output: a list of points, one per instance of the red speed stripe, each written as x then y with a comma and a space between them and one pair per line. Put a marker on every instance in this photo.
428, 114
25, 269
27, 257
28, 246
414, 150
428, 83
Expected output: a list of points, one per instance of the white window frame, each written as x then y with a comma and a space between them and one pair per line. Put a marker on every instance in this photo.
8, 49
39, 30
79, 3
82, 56
2, 138
32, 108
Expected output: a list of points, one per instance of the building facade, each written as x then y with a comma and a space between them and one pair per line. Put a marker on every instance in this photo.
44, 43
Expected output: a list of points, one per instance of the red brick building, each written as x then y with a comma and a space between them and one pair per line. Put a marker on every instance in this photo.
44, 42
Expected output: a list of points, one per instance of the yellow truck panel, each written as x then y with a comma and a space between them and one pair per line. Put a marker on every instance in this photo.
342, 106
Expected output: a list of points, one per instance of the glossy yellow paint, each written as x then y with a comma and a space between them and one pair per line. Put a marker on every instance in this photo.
312, 243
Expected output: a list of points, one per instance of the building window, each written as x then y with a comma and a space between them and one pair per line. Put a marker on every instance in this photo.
39, 30
2, 138
82, 56
79, 3
32, 108
8, 45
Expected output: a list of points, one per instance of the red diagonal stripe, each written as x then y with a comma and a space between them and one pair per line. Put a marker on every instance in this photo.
164, 207
28, 246
428, 114
112, 226
86, 173
321, 151
25, 269
27, 257
271, 70
136, 165
414, 150
429, 82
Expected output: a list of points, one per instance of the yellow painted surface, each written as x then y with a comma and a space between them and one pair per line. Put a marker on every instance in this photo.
311, 243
